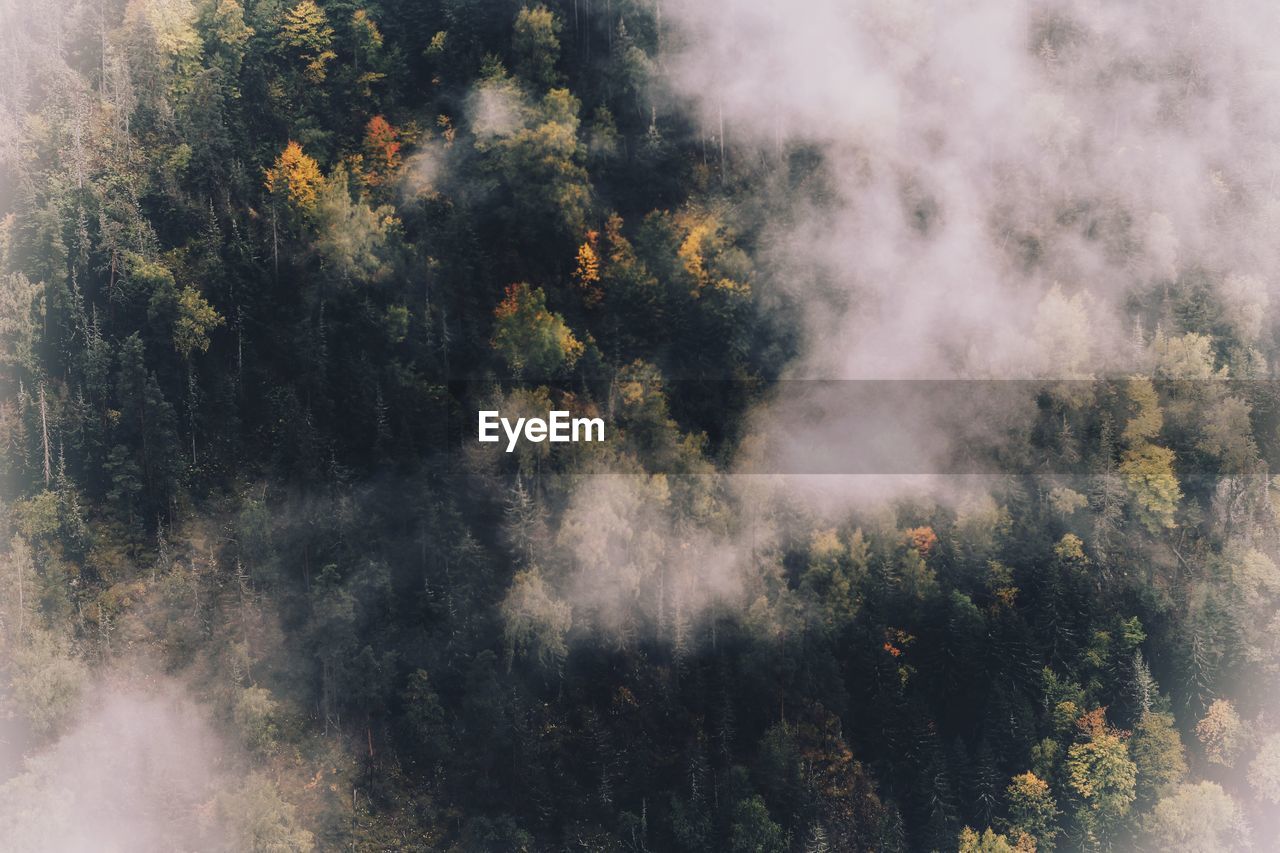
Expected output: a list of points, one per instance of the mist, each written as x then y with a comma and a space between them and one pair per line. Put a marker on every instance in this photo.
1002, 177
137, 768
934, 345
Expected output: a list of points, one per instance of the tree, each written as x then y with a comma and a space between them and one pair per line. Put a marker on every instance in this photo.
535, 621
1148, 472
1255, 579
295, 177
1146, 418
21, 318
1197, 818
586, 274
47, 681
1226, 434
196, 318
536, 155
351, 237
262, 821
146, 429
847, 802
1064, 332
532, 340
425, 717
1188, 356
167, 28
525, 523
225, 37
708, 254
381, 151
829, 580
255, 715
630, 73
1102, 780
1139, 686
19, 595
536, 44
1032, 810
1158, 755
1264, 770
817, 842
1221, 733
753, 831
307, 35
367, 49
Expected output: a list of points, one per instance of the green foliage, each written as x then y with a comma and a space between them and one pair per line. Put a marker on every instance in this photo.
1147, 419
21, 317
1188, 356
1158, 755
261, 820
425, 717
255, 713
753, 831
226, 35
351, 237
46, 681
534, 620
536, 44
1227, 435
1102, 780
533, 341
537, 157
829, 580
196, 318
368, 50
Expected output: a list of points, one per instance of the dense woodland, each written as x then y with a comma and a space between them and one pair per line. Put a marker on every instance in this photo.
260, 259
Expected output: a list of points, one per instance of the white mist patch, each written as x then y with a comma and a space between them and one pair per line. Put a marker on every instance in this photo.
496, 108
423, 172
632, 565
137, 771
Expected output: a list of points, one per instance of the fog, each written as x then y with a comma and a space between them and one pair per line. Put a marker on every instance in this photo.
982, 154
137, 769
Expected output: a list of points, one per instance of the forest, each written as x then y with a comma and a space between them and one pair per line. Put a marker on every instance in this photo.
935, 348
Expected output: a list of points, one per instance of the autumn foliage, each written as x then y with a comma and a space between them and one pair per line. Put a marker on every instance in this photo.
531, 339
923, 539
587, 273
296, 177
381, 150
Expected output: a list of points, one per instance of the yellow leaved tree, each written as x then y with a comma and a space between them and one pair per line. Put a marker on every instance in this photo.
295, 177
